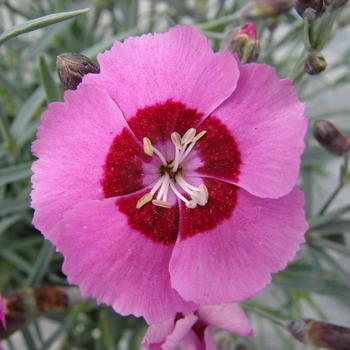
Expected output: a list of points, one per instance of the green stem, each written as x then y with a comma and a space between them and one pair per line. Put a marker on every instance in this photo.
218, 22
298, 71
342, 183
254, 309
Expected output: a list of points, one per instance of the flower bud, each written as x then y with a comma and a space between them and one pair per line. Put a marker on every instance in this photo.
331, 138
19, 307
71, 68
243, 42
315, 64
321, 334
304, 7
266, 8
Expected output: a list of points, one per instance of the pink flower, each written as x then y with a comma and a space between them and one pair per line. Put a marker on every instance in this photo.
194, 331
2, 313
168, 180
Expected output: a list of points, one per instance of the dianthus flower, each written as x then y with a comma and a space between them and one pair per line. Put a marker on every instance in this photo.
195, 330
168, 179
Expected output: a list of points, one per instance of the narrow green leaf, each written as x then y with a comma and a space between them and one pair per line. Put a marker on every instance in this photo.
7, 222
39, 23
17, 260
41, 265
28, 339
335, 226
8, 207
47, 80
15, 173
25, 114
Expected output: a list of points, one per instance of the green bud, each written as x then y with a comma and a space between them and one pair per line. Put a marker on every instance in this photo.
71, 68
315, 64
321, 334
331, 138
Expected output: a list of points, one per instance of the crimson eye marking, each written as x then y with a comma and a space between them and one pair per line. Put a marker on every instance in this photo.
200, 206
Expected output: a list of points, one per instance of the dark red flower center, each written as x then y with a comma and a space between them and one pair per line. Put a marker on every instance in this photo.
203, 150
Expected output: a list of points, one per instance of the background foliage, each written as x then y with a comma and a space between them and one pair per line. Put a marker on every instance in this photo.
315, 284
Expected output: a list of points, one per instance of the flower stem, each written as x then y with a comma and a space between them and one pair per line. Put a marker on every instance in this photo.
342, 182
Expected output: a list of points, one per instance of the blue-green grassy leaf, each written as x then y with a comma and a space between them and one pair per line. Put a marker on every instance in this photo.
38, 23
50, 87
14, 173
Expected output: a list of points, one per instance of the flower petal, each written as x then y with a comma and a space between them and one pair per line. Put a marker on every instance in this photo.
229, 317
178, 65
157, 333
192, 342
74, 138
116, 264
266, 121
235, 259
209, 339
182, 327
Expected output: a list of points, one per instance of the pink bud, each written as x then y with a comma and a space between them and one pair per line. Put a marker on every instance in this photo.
243, 42
249, 29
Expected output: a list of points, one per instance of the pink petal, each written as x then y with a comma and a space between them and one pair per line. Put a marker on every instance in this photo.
229, 317
182, 327
2, 313
235, 259
117, 265
209, 339
178, 65
192, 342
266, 121
157, 333
72, 143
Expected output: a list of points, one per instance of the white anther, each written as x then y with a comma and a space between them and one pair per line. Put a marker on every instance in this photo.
191, 204
199, 136
162, 204
149, 149
188, 136
146, 198
147, 146
176, 138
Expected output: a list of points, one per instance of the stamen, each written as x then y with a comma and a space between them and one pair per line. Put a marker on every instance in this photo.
188, 137
149, 149
146, 198
199, 136
177, 193
183, 147
185, 185
176, 138
164, 187
147, 146
162, 204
